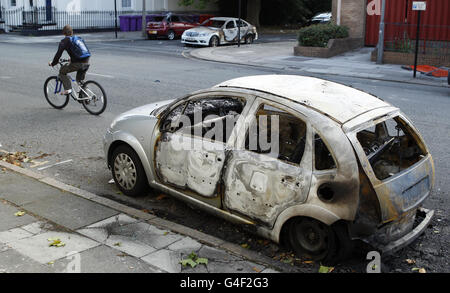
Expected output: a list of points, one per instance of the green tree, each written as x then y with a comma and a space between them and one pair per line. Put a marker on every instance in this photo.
268, 12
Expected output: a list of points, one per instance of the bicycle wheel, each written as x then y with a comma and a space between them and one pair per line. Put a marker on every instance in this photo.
97, 100
52, 88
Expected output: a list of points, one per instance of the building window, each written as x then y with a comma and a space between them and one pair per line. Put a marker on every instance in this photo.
126, 3
13, 3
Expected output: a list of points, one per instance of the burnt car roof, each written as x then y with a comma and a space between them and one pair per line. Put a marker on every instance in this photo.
342, 103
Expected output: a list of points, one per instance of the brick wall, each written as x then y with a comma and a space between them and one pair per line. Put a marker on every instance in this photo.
440, 60
335, 47
353, 16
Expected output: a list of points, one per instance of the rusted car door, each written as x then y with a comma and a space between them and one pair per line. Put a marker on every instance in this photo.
230, 31
190, 154
263, 180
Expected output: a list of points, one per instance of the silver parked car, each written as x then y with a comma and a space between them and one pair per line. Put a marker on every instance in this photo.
304, 161
220, 30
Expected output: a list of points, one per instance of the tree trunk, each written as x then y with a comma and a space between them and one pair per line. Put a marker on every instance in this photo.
253, 12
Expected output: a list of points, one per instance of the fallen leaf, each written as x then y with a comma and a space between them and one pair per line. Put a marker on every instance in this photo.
19, 214
245, 245
256, 270
410, 261
325, 270
117, 244
202, 260
308, 261
161, 197
56, 242
50, 263
186, 262
422, 271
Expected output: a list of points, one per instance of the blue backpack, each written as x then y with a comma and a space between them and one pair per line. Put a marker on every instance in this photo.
79, 48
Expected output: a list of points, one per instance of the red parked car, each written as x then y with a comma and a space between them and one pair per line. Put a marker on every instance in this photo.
170, 25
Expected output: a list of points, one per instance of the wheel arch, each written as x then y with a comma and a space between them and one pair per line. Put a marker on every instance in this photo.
306, 210
133, 143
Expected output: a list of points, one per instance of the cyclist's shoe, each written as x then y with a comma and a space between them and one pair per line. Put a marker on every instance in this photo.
65, 93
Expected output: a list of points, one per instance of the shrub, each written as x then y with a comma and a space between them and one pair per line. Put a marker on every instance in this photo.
318, 35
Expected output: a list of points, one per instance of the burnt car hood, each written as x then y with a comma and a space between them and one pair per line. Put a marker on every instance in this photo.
204, 29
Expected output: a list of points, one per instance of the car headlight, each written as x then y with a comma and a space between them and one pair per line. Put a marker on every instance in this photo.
203, 35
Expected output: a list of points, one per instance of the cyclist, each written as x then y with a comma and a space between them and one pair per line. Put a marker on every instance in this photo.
79, 59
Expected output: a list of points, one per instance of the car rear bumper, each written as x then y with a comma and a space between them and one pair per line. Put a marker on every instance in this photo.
156, 32
408, 238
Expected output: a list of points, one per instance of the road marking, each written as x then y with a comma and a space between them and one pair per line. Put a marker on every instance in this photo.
60, 163
102, 75
37, 164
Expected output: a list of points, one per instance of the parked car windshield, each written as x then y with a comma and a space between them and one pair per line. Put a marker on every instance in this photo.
213, 23
157, 18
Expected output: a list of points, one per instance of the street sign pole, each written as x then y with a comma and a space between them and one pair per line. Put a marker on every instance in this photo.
115, 17
417, 44
381, 34
239, 25
418, 6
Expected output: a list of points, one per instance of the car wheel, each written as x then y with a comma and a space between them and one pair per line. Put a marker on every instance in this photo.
249, 39
214, 42
128, 172
314, 239
171, 35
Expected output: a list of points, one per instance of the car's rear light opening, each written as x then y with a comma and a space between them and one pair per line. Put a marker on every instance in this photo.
391, 147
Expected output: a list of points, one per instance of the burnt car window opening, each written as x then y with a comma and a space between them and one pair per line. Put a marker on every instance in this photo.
214, 23
323, 158
214, 114
391, 147
291, 133
242, 23
231, 25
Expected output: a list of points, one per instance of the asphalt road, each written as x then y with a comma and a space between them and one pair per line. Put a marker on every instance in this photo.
142, 72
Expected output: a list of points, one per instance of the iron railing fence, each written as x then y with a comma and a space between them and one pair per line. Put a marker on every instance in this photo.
44, 19
434, 40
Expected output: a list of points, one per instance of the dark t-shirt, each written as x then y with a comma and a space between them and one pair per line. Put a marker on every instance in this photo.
64, 45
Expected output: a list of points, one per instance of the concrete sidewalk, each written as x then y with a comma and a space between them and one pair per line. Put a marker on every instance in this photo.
49, 227
280, 56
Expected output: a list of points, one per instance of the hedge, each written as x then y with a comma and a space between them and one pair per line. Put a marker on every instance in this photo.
318, 35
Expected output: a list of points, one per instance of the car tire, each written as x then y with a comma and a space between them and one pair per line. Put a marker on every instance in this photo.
128, 172
313, 239
249, 39
171, 35
214, 41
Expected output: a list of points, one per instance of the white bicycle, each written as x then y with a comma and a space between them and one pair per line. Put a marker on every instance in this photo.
90, 93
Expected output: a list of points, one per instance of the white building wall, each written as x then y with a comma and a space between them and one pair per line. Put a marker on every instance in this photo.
107, 5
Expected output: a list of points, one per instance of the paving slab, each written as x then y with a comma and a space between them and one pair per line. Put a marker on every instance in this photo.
165, 259
106, 260
9, 220
20, 194
70, 211
37, 247
14, 235
12, 261
186, 245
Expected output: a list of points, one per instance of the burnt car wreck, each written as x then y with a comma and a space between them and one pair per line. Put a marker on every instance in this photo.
304, 161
